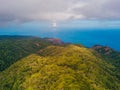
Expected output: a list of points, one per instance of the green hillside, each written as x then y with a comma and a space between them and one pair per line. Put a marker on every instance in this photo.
60, 68
13, 48
109, 55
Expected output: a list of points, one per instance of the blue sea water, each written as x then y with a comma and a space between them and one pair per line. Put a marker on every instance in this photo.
87, 38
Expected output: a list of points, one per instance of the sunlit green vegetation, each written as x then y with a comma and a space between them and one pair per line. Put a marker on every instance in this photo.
60, 68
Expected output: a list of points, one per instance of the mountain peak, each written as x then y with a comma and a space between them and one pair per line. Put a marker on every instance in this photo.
55, 41
103, 49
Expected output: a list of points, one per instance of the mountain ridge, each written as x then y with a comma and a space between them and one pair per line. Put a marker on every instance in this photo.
59, 67
32, 64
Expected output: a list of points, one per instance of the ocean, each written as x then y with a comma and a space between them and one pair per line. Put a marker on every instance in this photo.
88, 38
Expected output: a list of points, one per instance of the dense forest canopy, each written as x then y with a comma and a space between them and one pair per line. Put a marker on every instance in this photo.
32, 63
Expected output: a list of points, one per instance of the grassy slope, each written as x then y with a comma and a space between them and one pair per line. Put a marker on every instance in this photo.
13, 48
60, 68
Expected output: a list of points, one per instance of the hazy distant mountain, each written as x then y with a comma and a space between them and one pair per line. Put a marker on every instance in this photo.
32, 63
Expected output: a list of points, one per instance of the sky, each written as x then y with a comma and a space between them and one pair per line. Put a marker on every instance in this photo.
38, 14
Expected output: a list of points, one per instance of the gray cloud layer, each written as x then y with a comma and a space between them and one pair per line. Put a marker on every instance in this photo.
50, 10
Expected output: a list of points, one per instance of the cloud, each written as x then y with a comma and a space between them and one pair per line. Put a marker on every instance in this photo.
100, 10
48, 10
